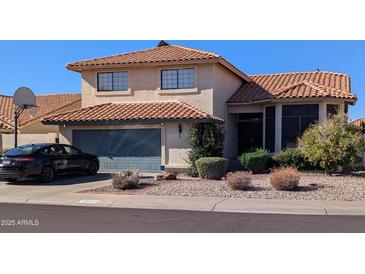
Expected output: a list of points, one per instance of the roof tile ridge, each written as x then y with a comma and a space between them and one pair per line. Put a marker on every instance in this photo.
51, 94
286, 88
198, 50
115, 55
204, 113
5, 120
298, 72
75, 110
320, 87
49, 113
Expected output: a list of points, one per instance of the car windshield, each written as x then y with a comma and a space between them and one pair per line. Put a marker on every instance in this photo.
23, 150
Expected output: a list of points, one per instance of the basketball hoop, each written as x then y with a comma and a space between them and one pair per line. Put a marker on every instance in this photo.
23, 98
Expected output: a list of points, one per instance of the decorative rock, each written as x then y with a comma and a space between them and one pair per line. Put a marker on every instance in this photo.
168, 176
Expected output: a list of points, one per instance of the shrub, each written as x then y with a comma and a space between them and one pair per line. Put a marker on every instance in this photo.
126, 179
285, 178
211, 167
239, 180
255, 161
206, 141
332, 143
3, 149
292, 157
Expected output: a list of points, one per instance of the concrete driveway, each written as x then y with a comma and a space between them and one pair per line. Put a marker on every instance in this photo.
27, 190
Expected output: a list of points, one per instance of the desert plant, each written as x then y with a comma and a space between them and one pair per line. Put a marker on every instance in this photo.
3, 149
211, 167
332, 143
239, 180
255, 161
285, 178
126, 179
292, 157
206, 140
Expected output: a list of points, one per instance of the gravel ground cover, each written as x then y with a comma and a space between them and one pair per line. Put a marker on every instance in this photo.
312, 186
346, 188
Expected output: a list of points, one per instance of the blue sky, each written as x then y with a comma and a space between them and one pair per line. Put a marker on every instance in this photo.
40, 65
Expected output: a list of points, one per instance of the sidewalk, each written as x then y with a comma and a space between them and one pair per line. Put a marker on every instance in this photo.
238, 205
65, 192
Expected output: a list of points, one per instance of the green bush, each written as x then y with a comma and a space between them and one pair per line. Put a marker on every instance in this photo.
292, 157
211, 167
255, 161
206, 141
332, 143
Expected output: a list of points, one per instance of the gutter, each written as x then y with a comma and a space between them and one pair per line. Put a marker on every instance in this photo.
128, 122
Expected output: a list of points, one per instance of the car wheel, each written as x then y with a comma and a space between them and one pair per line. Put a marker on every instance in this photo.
47, 174
93, 168
11, 180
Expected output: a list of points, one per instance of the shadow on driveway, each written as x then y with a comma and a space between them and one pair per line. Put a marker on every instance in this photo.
70, 179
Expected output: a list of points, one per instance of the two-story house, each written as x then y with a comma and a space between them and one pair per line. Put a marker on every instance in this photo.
138, 108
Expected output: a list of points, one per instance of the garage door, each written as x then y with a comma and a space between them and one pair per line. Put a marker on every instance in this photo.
123, 148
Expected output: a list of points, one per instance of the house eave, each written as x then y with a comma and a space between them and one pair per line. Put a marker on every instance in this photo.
219, 60
298, 99
129, 122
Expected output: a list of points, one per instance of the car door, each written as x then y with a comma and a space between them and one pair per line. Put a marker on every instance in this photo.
55, 157
76, 160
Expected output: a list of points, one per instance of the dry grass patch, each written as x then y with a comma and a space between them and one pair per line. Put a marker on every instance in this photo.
126, 180
285, 178
239, 180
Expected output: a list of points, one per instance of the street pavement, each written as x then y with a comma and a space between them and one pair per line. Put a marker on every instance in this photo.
50, 218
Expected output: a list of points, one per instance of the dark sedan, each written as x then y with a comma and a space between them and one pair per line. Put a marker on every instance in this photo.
44, 161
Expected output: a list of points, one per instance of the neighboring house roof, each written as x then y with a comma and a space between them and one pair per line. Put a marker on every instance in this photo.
46, 105
132, 112
162, 54
5, 124
359, 122
266, 87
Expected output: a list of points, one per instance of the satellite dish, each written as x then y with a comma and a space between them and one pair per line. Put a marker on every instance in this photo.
24, 98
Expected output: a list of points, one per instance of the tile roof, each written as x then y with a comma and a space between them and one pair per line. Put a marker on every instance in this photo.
150, 112
162, 54
5, 124
359, 122
266, 87
46, 104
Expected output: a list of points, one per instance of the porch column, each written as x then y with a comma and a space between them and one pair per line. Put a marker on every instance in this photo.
163, 144
264, 127
278, 122
322, 115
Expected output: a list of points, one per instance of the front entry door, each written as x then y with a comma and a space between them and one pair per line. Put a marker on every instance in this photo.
250, 132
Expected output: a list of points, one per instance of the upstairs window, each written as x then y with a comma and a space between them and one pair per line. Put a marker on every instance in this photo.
178, 78
113, 81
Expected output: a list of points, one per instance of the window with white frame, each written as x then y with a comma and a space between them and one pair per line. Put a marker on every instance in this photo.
113, 81
178, 78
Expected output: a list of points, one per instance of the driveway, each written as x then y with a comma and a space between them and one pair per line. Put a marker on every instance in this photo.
63, 185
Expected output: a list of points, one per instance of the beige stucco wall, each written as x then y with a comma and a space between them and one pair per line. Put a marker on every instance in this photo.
215, 85
145, 83
174, 146
23, 139
225, 85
